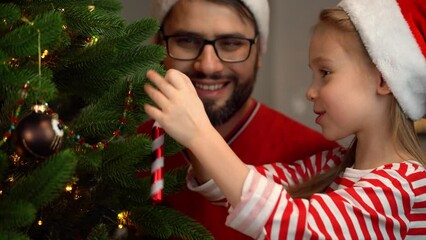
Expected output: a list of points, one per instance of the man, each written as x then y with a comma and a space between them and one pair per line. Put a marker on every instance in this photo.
219, 45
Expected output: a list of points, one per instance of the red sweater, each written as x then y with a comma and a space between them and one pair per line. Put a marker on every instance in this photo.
263, 136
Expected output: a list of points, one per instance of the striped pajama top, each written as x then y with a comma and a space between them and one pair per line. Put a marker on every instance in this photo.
388, 202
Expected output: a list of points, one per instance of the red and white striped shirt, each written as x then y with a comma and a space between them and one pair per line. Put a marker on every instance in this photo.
388, 202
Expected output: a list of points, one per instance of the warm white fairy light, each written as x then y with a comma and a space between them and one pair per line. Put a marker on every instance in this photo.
44, 54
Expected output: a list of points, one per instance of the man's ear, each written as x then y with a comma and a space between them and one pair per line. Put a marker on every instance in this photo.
259, 56
259, 61
382, 86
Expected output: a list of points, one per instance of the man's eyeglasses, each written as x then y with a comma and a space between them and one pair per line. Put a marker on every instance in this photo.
190, 47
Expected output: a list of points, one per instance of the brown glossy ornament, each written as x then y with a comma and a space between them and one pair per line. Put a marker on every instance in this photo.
38, 135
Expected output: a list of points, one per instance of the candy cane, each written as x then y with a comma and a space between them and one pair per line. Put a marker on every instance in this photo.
157, 181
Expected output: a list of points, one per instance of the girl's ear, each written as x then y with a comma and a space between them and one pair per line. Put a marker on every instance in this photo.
382, 86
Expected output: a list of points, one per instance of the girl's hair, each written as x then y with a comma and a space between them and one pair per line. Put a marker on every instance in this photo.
404, 134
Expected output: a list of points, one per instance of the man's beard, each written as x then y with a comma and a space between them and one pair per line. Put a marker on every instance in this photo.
241, 93
220, 115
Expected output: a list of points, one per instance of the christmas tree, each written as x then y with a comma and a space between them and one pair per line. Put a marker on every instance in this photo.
71, 95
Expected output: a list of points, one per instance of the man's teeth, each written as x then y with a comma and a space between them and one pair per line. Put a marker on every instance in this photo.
209, 87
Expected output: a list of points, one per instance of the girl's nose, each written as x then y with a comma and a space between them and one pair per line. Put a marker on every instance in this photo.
311, 93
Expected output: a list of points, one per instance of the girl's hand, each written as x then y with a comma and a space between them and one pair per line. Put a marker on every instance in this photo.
179, 110
181, 113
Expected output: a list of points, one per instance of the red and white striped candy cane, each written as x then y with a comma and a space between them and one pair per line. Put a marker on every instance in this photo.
157, 181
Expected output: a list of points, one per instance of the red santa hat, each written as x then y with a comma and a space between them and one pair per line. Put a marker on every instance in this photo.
259, 9
394, 34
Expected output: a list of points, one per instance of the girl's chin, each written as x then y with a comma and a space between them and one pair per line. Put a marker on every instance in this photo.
333, 136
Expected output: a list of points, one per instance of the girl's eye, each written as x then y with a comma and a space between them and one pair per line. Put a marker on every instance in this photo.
324, 72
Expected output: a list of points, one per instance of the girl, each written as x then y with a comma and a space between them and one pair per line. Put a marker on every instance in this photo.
369, 80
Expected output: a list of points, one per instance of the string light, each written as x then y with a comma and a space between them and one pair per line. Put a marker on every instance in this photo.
44, 54
16, 159
11, 179
13, 62
91, 8
90, 41
68, 188
40, 108
77, 194
122, 218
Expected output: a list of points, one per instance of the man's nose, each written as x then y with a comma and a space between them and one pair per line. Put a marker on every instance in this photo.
208, 62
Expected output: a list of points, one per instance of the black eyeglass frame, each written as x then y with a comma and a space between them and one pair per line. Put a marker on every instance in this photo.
208, 42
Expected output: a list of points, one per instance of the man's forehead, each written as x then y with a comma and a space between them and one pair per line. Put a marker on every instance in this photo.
206, 19
255, 11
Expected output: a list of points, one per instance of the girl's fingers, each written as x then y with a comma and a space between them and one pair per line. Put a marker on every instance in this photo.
161, 83
172, 82
158, 97
153, 112
179, 80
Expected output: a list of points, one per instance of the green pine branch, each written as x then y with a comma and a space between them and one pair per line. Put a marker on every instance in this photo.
23, 40
10, 13
120, 160
163, 222
4, 165
137, 33
102, 23
16, 214
99, 232
45, 182
12, 235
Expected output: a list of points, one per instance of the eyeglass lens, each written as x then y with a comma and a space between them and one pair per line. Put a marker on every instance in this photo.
228, 49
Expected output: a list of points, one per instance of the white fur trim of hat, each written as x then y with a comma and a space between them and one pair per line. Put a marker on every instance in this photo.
259, 9
394, 32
